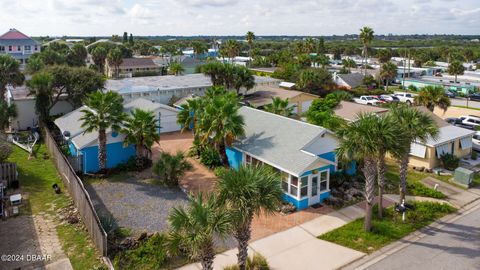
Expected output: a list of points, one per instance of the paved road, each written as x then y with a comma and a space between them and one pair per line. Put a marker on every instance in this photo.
463, 102
453, 246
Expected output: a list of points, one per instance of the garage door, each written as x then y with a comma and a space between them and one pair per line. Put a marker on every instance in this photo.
168, 123
306, 105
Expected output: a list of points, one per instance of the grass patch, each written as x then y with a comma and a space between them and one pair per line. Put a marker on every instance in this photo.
414, 182
388, 229
150, 255
465, 107
476, 180
419, 189
36, 176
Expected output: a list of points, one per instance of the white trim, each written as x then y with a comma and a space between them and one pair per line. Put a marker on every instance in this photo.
262, 160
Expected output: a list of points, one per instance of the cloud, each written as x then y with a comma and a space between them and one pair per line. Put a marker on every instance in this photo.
226, 17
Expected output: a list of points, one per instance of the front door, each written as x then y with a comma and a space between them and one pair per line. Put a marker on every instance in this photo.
314, 196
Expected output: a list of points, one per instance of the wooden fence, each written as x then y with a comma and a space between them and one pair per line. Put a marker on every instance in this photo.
80, 196
8, 171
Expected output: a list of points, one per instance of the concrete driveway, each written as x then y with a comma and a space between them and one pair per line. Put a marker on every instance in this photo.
200, 178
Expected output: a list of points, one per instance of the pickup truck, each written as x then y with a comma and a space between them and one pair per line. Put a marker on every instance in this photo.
367, 100
405, 97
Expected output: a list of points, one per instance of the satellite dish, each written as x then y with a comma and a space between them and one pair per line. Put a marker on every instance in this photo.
66, 134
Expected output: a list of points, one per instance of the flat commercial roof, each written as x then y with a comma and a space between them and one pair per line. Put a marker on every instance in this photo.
169, 82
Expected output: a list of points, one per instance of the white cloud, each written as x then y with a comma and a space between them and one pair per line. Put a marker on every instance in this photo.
219, 17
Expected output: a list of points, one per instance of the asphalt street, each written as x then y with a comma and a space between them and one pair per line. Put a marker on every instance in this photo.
453, 246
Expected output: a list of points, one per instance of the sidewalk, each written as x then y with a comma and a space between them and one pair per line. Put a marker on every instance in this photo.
299, 247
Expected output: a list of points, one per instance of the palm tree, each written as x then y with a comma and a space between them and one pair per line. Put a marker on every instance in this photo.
250, 37
232, 48
115, 58
431, 96
310, 45
99, 54
176, 69
10, 74
171, 167
280, 106
456, 68
6, 113
41, 87
366, 37
214, 70
199, 48
359, 141
388, 71
142, 129
220, 121
416, 126
389, 139
248, 192
242, 78
105, 110
193, 228
349, 63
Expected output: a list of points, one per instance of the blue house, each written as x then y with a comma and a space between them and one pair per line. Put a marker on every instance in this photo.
85, 146
304, 154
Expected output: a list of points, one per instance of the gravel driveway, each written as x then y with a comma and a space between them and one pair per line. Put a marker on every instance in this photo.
134, 204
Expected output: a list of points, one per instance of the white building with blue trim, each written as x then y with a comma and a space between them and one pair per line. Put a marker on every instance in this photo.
84, 147
304, 154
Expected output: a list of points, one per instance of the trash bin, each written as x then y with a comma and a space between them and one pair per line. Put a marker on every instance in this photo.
463, 176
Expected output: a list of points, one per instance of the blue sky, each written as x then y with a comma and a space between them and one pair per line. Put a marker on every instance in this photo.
222, 17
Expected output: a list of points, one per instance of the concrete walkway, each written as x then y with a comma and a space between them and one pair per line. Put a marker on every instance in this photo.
458, 197
299, 247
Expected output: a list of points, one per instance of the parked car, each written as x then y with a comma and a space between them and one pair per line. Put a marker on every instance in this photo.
450, 94
470, 120
388, 98
458, 122
476, 141
405, 97
474, 97
367, 100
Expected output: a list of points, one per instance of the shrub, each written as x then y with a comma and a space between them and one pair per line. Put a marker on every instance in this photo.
171, 167
219, 171
5, 149
419, 189
128, 166
258, 262
449, 161
150, 255
474, 155
209, 157
412, 88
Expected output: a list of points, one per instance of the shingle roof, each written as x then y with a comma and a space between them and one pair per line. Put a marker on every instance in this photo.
352, 79
350, 110
279, 140
15, 37
137, 62
264, 95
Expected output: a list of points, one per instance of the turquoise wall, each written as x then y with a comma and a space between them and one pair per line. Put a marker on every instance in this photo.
330, 156
234, 158
302, 204
116, 154
73, 149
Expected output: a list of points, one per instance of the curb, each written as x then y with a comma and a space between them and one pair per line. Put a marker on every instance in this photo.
370, 259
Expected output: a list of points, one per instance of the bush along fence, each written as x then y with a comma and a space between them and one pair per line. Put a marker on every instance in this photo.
79, 194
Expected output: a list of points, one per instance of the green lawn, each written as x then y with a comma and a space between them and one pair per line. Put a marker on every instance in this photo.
388, 229
36, 176
415, 186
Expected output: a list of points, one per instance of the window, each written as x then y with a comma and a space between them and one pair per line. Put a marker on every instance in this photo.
323, 181
304, 187
2, 48
248, 159
285, 182
19, 48
294, 186
314, 185
36, 48
28, 48
10, 48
